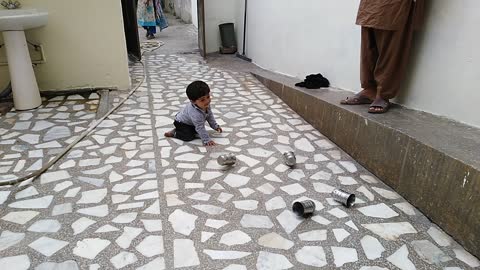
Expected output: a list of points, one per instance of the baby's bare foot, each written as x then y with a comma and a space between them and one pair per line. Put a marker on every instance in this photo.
170, 133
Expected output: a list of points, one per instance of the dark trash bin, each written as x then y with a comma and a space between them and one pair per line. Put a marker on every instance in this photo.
227, 34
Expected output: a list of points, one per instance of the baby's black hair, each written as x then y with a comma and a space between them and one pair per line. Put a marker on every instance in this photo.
197, 89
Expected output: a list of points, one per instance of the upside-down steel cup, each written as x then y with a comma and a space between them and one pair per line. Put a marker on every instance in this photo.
290, 159
343, 197
227, 159
303, 208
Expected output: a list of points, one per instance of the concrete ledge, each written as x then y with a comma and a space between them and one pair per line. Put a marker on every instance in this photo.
432, 162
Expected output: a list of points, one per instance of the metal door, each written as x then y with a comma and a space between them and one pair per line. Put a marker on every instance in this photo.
129, 9
201, 27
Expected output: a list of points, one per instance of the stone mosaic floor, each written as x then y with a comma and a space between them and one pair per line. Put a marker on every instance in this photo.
128, 198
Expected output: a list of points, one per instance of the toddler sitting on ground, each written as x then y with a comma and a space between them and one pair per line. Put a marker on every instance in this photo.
190, 120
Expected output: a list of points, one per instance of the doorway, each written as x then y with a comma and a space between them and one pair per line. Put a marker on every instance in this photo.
185, 32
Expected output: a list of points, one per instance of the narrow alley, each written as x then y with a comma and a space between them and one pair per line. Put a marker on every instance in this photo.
126, 197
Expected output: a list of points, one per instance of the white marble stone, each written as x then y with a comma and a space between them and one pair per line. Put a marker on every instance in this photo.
235, 267
466, 257
126, 238
58, 132
62, 209
350, 166
81, 225
96, 211
125, 218
123, 259
272, 177
347, 180
172, 200
9, 239
441, 238
323, 188
215, 223
93, 196
209, 209
21, 217
90, 247
184, 253
106, 228
152, 225
182, 222
156, 264
72, 192
311, 255
337, 212
124, 187
205, 236
28, 192
224, 197
293, 189
267, 261
429, 253
66, 265
400, 259
372, 247
296, 174
380, 210
256, 221
151, 246
390, 231
209, 175
289, 220
235, 180
46, 225
225, 254
246, 204
406, 208
49, 177
344, 255
274, 240
236, 237
63, 185
47, 246
275, 203
259, 152
170, 184
251, 162
20, 262
315, 235
30, 138
190, 157
340, 234
4, 196
387, 194
37, 203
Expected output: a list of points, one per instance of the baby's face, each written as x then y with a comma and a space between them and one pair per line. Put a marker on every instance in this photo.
203, 102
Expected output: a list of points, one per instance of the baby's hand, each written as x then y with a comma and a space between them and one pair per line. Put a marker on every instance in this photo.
219, 129
210, 143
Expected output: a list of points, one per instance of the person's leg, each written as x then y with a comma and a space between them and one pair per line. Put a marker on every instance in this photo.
368, 61
394, 50
184, 132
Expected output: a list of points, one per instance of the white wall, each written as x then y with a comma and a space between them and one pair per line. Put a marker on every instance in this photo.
217, 12
312, 36
84, 43
194, 13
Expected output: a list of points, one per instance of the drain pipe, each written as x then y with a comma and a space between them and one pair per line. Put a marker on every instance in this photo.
243, 56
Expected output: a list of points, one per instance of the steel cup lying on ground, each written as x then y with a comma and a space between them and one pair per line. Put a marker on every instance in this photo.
303, 208
343, 197
227, 159
290, 159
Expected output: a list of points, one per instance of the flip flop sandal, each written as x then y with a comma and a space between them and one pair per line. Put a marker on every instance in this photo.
381, 104
358, 99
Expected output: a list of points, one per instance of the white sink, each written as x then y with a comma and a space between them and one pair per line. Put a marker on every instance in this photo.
22, 19
13, 22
